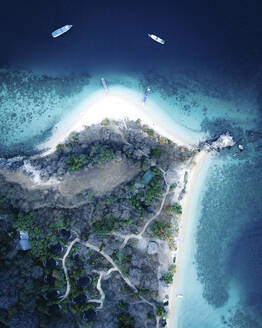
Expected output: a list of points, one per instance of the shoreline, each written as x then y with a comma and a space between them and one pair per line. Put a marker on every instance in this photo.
114, 106
186, 203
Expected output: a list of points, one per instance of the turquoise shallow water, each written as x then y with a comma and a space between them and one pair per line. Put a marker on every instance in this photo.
223, 244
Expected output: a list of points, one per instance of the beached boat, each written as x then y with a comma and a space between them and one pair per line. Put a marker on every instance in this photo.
146, 95
156, 38
179, 295
61, 31
104, 84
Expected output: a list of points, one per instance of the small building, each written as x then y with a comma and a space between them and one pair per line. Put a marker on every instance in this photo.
24, 241
147, 177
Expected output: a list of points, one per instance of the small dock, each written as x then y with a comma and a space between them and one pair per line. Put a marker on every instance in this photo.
104, 84
146, 96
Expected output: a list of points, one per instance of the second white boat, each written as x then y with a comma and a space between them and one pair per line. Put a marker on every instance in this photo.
156, 38
61, 30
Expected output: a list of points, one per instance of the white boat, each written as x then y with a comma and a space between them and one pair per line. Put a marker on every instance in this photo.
156, 38
61, 30
179, 295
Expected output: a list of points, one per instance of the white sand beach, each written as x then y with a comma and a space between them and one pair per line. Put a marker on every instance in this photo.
194, 173
114, 105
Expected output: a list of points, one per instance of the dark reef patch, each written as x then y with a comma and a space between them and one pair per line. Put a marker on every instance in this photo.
245, 265
223, 218
31, 104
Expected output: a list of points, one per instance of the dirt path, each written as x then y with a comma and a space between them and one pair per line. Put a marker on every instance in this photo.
140, 235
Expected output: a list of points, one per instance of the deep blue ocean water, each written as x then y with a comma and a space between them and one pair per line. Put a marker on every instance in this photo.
208, 77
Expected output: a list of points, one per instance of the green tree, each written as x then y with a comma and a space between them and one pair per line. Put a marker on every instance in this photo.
156, 152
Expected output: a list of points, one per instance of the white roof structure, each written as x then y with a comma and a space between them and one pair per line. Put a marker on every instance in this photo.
24, 241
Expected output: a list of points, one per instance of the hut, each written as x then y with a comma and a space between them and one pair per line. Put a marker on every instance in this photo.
24, 243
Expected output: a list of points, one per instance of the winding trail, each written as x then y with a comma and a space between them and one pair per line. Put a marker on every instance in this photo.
101, 274
102, 294
140, 235
110, 260
65, 269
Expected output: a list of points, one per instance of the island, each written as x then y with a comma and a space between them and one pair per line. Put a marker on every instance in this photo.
89, 231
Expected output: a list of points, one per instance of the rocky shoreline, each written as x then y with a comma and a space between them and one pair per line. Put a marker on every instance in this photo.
102, 214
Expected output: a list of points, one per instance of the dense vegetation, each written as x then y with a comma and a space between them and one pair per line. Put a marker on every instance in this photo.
36, 278
76, 163
149, 193
168, 277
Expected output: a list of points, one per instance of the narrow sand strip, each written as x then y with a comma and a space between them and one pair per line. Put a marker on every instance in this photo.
115, 106
186, 202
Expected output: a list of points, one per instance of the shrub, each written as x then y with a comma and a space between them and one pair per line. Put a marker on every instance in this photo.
142, 292
156, 152
103, 226
168, 278
59, 147
175, 209
106, 121
173, 186
124, 320
163, 140
76, 163
101, 154
161, 230
150, 132
73, 137
109, 201
172, 267
146, 164
122, 261
161, 312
